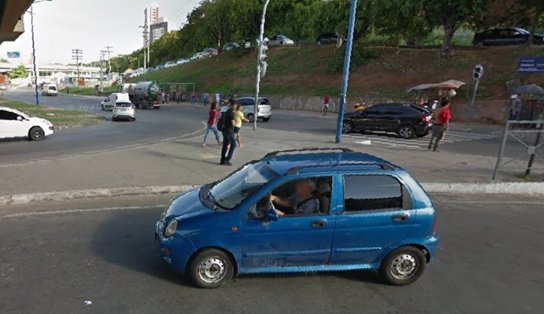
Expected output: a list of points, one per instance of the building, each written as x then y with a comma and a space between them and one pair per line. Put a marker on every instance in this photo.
11, 18
158, 30
154, 15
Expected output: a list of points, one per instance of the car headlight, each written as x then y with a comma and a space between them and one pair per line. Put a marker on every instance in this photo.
171, 228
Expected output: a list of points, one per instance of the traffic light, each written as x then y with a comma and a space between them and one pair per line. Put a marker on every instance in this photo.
478, 72
263, 48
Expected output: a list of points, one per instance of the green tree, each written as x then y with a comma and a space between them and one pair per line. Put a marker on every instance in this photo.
18, 72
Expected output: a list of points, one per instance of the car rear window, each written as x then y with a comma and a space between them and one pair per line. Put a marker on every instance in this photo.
123, 104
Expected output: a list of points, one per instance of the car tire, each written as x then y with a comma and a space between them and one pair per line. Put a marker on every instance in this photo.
347, 127
479, 44
210, 268
250, 117
319, 42
266, 119
406, 132
403, 266
36, 134
132, 119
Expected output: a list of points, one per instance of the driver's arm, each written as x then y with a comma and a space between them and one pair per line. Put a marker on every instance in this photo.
280, 201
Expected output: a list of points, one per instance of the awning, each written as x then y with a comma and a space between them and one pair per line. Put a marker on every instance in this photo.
449, 84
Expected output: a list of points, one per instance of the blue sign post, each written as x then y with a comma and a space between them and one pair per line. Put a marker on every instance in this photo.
531, 64
345, 79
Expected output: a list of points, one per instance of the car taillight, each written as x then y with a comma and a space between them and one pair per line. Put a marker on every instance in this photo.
425, 118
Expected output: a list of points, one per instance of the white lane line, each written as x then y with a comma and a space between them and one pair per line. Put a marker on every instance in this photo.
78, 211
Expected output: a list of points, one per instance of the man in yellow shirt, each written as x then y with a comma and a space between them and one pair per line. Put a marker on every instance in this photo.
238, 119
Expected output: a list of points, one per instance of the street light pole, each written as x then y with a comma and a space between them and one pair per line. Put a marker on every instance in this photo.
345, 78
34, 56
259, 67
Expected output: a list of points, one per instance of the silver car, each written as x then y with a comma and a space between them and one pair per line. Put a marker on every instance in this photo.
264, 110
123, 110
280, 40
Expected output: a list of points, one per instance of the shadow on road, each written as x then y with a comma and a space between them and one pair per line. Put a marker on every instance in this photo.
127, 239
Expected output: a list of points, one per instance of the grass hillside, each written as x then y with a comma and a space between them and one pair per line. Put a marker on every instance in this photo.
377, 72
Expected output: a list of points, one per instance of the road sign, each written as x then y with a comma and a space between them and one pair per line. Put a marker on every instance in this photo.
14, 54
531, 64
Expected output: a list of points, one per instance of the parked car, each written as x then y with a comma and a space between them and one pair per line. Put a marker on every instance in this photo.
247, 105
406, 120
170, 64
209, 52
366, 213
50, 90
280, 40
505, 36
198, 55
124, 110
183, 61
14, 124
329, 39
231, 46
3, 87
247, 43
159, 67
110, 101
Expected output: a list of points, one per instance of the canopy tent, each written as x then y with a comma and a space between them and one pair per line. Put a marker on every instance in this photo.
449, 84
532, 89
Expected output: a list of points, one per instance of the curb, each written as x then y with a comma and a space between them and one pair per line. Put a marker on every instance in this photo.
510, 188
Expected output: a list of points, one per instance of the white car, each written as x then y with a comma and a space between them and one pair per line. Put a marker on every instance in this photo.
170, 64
247, 105
123, 110
14, 123
280, 41
110, 101
50, 90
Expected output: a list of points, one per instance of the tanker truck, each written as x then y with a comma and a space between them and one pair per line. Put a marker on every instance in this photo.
144, 94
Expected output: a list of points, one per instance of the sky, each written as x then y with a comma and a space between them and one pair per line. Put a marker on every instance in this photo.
91, 25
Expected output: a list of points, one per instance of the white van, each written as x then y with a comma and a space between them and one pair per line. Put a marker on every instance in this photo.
113, 99
50, 90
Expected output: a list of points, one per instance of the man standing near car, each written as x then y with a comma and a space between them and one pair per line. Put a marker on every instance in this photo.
229, 137
441, 121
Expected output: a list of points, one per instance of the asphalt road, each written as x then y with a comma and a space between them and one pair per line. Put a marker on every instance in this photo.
173, 121
53, 258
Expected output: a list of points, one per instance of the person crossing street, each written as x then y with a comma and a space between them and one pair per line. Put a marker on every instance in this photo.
441, 121
229, 137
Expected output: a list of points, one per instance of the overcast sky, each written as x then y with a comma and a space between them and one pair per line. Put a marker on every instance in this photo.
62, 25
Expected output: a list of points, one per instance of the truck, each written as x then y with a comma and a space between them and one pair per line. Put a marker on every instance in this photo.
144, 94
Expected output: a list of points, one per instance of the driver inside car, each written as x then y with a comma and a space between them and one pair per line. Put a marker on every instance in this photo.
303, 201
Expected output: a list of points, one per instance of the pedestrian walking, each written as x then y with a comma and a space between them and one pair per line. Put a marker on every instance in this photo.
326, 105
229, 137
441, 120
193, 99
515, 107
202, 100
213, 117
239, 118
218, 98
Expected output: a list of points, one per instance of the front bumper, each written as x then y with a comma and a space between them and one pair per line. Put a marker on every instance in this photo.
175, 250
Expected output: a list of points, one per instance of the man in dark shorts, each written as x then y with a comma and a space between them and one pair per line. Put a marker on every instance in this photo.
229, 137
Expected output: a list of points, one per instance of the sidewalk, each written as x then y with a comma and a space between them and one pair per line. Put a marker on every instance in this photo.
185, 162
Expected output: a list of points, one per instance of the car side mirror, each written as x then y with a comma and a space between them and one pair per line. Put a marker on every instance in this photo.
270, 215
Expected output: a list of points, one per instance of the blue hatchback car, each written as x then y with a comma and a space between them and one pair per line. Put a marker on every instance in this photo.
298, 211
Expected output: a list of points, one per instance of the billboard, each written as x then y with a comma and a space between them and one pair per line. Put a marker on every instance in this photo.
14, 54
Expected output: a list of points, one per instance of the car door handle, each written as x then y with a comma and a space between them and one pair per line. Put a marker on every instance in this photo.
402, 217
319, 223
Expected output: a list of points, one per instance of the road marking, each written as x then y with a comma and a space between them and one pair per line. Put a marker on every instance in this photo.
418, 143
78, 211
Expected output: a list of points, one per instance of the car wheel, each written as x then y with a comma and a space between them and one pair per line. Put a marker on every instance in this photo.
211, 268
403, 266
480, 44
113, 119
132, 119
406, 132
266, 119
250, 117
36, 134
319, 42
347, 127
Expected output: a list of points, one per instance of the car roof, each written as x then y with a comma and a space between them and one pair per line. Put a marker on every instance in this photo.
323, 159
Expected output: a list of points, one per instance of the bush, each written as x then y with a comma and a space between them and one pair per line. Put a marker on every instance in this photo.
359, 55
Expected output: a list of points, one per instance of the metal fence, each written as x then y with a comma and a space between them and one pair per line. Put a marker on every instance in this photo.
528, 133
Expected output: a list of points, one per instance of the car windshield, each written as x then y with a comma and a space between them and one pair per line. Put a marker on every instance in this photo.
232, 190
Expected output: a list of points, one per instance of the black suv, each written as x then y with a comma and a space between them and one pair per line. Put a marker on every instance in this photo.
505, 36
329, 39
406, 120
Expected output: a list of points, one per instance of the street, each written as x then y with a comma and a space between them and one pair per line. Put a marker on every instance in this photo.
54, 257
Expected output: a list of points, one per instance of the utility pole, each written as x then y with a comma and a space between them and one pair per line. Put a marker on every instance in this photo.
146, 38
34, 57
109, 50
77, 55
261, 63
102, 57
345, 79
149, 39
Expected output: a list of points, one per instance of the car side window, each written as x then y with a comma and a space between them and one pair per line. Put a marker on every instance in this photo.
6, 115
374, 192
376, 109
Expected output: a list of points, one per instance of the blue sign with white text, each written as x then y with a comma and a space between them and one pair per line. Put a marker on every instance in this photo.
531, 64
14, 54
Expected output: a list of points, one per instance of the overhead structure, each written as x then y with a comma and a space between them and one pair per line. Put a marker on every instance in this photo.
449, 84
11, 18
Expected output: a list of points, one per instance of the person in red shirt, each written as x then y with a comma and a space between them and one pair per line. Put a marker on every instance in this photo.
326, 101
441, 121
213, 117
